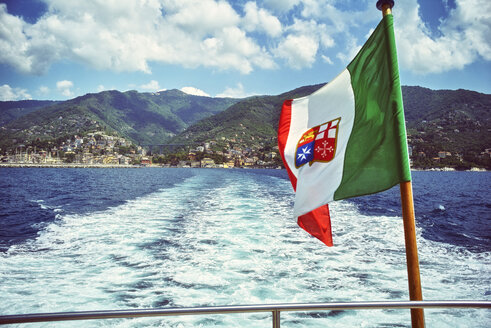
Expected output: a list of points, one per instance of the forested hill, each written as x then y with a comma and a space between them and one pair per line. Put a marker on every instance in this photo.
145, 118
252, 121
456, 122
11, 110
426, 104
445, 127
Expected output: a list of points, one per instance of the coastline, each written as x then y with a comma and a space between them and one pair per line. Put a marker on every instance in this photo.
449, 169
68, 165
102, 166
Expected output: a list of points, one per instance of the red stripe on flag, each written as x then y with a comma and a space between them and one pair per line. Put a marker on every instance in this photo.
318, 224
283, 131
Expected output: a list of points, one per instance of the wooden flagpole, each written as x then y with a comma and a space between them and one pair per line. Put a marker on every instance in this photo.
414, 280
415, 293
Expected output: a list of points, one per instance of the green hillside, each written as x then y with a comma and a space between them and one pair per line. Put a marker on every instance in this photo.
445, 127
11, 110
455, 122
250, 122
144, 118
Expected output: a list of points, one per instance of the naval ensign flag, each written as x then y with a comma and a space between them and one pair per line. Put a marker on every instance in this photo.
348, 138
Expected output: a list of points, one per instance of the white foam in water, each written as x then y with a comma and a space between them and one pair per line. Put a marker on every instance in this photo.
195, 245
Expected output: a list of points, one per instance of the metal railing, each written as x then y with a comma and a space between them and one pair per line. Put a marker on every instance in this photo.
275, 309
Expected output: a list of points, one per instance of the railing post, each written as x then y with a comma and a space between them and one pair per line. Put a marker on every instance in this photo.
276, 318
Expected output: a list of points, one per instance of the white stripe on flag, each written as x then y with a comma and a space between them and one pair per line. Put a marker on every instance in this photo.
334, 100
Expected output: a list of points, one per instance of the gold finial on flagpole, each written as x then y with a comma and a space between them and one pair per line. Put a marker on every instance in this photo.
385, 6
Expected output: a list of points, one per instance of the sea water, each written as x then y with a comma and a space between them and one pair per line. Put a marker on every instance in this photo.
100, 239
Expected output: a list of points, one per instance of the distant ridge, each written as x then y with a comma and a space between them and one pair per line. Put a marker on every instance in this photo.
253, 120
11, 110
455, 122
141, 117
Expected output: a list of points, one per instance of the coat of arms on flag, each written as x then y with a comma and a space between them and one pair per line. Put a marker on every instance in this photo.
318, 144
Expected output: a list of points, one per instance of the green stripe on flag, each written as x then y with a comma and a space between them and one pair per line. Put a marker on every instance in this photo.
376, 156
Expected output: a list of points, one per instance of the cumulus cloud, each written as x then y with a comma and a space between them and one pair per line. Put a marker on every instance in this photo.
259, 19
153, 85
232, 48
326, 59
200, 16
15, 44
194, 91
234, 92
281, 6
131, 35
102, 87
128, 35
465, 37
65, 88
352, 49
339, 20
7, 93
298, 50
319, 31
43, 90
305, 37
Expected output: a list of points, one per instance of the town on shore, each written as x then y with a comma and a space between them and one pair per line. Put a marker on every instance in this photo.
98, 149
101, 150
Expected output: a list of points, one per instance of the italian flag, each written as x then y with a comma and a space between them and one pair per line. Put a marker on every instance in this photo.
348, 138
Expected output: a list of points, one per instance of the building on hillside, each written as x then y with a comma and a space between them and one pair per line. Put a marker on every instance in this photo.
183, 164
238, 162
110, 160
486, 153
192, 156
249, 162
142, 151
444, 154
88, 158
229, 164
123, 160
207, 162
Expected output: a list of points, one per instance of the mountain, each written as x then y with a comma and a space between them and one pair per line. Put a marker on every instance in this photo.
445, 127
250, 121
456, 122
145, 118
11, 110
426, 104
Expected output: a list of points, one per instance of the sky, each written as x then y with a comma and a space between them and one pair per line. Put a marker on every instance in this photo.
61, 49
